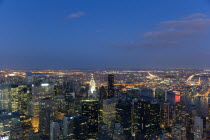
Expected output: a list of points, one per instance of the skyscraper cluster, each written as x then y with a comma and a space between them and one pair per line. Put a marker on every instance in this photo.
96, 106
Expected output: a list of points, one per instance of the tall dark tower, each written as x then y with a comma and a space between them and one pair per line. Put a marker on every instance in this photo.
123, 115
145, 117
110, 86
90, 109
46, 115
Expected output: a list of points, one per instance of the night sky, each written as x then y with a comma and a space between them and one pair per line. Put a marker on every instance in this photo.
104, 34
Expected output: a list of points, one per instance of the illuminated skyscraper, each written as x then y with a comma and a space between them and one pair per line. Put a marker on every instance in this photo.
42, 90
80, 127
109, 111
110, 85
145, 117
6, 121
14, 98
102, 96
5, 98
90, 109
39, 91
68, 126
59, 106
75, 127
154, 118
180, 112
46, 115
135, 117
25, 96
92, 90
165, 115
123, 115
16, 132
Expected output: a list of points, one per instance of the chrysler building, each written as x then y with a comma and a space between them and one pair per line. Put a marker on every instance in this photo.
92, 90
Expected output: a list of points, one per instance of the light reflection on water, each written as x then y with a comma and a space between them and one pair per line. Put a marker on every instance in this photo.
192, 103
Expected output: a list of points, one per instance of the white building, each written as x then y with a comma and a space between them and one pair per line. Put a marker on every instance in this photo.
92, 90
198, 127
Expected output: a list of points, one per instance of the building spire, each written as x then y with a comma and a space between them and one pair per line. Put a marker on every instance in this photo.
92, 89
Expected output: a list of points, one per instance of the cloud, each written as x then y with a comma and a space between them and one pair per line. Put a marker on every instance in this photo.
76, 15
186, 24
196, 15
175, 33
148, 44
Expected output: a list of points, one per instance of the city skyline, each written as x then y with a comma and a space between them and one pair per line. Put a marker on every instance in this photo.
104, 35
104, 70
114, 105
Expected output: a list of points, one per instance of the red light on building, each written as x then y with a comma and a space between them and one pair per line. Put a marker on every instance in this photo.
177, 98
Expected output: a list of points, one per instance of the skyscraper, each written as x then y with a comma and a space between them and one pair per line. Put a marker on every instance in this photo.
16, 132
109, 111
25, 97
199, 127
123, 115
14, 92
5, 97
110, 85
90, 109
75, 127
180, 112
165, 115
55, 130
6, 121
154, 118
145, 117
68, 126
80, 127
92, 90
102, 93
59, 106
39, 91
46, 115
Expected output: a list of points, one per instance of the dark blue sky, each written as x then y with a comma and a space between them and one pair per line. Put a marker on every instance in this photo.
72, 34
